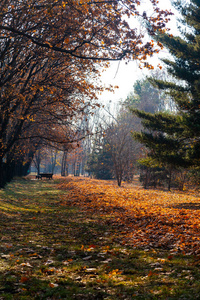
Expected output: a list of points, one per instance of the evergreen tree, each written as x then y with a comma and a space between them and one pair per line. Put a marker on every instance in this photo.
100, 163
174, 138
144, 97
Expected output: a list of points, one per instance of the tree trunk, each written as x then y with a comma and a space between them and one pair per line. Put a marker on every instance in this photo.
64, 171
170, 179
2, 174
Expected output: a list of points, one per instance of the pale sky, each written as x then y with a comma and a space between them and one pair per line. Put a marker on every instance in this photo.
124, 75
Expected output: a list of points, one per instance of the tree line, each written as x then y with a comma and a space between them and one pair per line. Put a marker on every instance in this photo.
169, 114
51, 54
114, 152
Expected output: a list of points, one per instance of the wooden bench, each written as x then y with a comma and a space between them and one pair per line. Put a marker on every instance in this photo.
44, 175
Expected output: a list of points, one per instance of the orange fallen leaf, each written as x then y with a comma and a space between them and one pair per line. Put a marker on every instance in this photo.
143, 217
170, 257
150, 274
24, 279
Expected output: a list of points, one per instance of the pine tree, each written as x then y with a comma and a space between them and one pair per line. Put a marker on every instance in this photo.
173, 139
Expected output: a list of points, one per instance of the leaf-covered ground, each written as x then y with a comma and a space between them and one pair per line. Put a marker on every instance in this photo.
78, 238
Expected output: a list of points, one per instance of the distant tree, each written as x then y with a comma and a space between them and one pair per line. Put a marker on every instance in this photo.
145, 97
117, 142
38, 157
100, 163
64, 165
122, 148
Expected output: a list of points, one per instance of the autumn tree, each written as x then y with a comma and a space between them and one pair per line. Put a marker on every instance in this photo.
114, 151
83, 29
39, 98
122, 148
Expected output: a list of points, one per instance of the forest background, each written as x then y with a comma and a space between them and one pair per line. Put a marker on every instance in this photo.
49, 91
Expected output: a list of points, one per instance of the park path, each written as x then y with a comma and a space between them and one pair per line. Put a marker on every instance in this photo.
86, 239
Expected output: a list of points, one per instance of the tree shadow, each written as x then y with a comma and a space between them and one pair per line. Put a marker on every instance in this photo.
187, 205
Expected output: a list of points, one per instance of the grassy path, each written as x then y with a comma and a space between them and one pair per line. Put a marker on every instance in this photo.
57, 243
